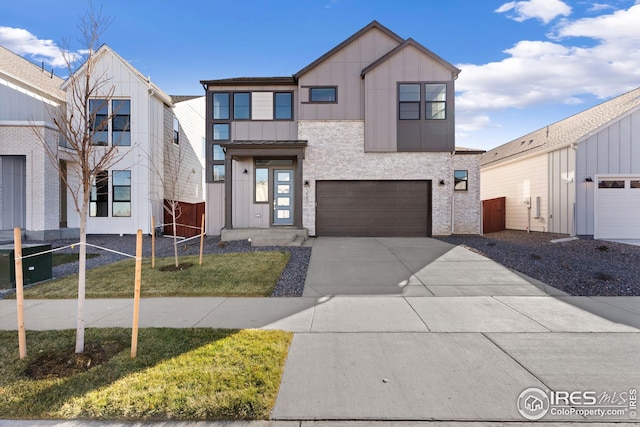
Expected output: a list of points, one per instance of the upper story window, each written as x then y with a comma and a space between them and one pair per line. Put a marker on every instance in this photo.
409, 99
176, 130
436, 101
241, 106
283, 102
111, 121
221, 106
323, 94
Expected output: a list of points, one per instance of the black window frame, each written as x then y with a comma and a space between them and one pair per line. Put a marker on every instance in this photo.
116, 187
99, 121
275, 106
213, 106
428, 102
317, 88
99, 197
176, 130
415, 103
248, 106
217, 163
464, 180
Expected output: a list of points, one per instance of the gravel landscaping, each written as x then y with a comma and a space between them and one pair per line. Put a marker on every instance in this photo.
290, 284
581, 267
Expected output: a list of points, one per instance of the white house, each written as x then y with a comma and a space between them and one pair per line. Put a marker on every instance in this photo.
579, 176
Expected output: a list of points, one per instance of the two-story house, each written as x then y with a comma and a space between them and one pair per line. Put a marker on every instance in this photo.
360, 142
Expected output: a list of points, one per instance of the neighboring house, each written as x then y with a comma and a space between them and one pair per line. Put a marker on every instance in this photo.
358, 143
579, 176
185, 160
148, 134
29, 185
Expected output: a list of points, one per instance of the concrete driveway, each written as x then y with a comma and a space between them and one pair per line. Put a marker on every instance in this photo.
407, 267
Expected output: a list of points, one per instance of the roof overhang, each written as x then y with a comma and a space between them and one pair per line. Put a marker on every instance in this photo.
265, 148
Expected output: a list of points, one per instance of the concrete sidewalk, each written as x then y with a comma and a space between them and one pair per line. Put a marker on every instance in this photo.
406, 330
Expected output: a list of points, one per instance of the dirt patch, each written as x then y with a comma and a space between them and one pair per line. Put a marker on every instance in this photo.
173, 267
65, 363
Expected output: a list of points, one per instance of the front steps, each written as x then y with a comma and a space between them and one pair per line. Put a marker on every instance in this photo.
267, 236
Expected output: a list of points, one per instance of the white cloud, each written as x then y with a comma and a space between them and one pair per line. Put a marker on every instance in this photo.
598, 7
544, 10
24, 43
554, 71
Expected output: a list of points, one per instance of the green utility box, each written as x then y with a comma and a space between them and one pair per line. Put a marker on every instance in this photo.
34, 268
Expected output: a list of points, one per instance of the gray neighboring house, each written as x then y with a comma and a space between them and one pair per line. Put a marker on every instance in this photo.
579, 176
360, 142
29, 197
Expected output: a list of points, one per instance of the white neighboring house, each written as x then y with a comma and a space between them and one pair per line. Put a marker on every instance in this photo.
29, 187
579, 176
132, 191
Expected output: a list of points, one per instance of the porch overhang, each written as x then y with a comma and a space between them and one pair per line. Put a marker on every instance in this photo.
274, 149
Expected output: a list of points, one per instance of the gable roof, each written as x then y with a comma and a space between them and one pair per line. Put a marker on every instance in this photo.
22, 71
415, 44
105, 49
370, 26
565, 132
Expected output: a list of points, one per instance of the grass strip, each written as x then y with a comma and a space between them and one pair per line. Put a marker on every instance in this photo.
181, 374
234, 274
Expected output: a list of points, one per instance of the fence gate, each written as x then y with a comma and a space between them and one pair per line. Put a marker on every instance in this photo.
493, 215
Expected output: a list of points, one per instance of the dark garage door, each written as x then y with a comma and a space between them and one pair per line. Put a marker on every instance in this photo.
373, 208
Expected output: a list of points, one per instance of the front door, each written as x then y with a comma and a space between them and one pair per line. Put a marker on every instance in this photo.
283, 197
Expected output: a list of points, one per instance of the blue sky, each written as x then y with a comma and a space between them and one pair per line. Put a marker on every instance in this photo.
525, 64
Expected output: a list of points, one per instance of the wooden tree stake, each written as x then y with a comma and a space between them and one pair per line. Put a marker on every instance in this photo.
22, 339
201, 238
136, 296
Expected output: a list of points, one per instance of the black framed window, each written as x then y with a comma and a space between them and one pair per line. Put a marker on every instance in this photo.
409, 101
218, 163
176, 130
121, 205
221, 106
435, 101
461, 180
99, 121
283, 105
221, 131
323, 94
99, 198
121, 110
241, 106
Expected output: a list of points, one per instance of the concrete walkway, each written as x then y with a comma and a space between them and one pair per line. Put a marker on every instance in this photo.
406, 330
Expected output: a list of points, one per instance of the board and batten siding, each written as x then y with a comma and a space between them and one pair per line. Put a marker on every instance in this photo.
381, 97
517, 182
343, 70
614, 149
191, 115
562, 191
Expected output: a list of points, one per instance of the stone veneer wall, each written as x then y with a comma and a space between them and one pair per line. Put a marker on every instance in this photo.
43, 204
335, 151
466, 204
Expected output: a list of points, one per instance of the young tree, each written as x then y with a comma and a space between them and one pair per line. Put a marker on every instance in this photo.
80, 125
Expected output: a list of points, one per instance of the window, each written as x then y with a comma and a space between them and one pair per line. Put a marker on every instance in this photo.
118, 131
283, 105
221, 106
99, 111
176, 131
218, 163
221, 132
635, 184
241, 106
435, 101
121, 193
461, 180
610, 184
323, 94
262, 185
99, 198
121, 110
409, 99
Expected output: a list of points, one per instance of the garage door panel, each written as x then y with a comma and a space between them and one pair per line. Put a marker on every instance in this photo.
617, 212
373, 208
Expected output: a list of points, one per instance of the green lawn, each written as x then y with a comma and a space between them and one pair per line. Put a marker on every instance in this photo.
183, 374
60, 258
233, 274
